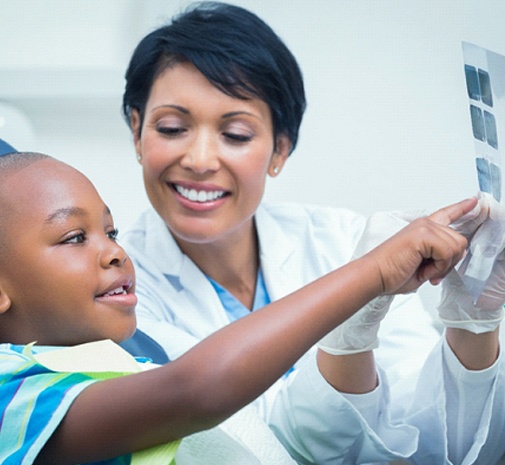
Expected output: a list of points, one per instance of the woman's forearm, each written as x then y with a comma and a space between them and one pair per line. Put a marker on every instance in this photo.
474, 351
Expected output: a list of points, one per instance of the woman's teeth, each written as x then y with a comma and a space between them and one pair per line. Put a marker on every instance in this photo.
199, 196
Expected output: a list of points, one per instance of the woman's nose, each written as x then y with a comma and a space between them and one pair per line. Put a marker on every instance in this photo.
201, 155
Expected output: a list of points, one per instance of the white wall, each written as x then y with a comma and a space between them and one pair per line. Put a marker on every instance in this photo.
387, 126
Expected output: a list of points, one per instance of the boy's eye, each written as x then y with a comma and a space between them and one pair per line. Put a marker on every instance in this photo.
113, 234
77, 238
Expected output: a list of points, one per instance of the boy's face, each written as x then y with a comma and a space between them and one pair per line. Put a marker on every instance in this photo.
66, 278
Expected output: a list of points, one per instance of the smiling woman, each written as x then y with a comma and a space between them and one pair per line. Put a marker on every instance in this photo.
215, 100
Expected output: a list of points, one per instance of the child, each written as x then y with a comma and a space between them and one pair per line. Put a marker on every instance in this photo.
64, 281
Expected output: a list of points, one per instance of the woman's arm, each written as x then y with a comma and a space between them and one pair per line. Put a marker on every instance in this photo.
236, 364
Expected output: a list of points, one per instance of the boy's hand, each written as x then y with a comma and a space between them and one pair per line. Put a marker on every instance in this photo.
423, 249
427, 249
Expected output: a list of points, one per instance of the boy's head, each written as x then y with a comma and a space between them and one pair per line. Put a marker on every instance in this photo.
63, 278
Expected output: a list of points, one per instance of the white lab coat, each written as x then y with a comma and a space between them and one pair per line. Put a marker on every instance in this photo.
178, 307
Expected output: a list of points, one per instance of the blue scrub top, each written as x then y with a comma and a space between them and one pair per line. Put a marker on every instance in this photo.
236, 309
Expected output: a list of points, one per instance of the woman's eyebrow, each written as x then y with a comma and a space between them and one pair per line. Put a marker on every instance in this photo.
173, 106
231, 114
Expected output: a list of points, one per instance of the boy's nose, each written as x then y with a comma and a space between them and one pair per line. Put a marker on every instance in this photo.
114, 255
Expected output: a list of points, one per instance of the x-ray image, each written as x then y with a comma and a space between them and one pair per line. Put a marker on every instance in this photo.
472, 82
485, 87
484, 73
478, 127
489, 176
478, 84
485, 84
490, 125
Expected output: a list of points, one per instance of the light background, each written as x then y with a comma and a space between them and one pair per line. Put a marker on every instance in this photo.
387, 125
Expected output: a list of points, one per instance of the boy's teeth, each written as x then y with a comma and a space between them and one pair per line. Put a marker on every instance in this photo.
199, 196
116, 291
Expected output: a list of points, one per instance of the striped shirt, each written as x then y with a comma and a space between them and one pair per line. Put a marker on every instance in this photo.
34, 400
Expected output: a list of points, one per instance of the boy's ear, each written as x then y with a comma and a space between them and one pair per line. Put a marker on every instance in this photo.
5, 301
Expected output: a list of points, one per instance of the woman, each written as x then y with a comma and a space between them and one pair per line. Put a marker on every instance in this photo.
215, 101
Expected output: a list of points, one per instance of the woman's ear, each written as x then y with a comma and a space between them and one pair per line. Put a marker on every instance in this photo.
135, 123
281, 154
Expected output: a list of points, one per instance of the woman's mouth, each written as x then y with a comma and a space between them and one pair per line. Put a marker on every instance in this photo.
199, 195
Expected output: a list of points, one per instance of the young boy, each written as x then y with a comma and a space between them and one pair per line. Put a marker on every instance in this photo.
64, 281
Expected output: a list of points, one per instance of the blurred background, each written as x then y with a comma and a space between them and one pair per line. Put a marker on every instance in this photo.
387, 125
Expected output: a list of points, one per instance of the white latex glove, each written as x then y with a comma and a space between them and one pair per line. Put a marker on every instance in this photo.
485, 246
359, 332
457, 308
468, 224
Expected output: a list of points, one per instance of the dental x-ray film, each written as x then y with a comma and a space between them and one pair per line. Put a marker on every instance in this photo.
485, 84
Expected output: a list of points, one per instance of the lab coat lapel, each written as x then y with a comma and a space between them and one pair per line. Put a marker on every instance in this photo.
194, 293
280, 260
205, 304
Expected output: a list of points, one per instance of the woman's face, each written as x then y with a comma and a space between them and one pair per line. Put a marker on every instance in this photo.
205, 156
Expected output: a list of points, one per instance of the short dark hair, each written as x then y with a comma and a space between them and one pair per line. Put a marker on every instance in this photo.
234, 49
14, 161
9, 164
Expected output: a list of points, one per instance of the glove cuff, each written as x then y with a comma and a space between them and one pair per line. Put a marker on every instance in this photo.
335, 351
476, 326
359, 332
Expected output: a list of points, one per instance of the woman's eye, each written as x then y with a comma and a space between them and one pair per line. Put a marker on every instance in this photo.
237, 137
78, 238
113, 234
170, 130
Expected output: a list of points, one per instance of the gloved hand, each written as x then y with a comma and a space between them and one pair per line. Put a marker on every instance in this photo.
359, 332
468, 224
457, 308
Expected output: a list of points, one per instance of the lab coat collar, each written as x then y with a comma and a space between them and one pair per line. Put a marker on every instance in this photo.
169, 259
161, 247
277, 252
273, 242
196, 294
279, 257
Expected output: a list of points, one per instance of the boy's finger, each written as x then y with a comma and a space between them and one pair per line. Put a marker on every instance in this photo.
447, 215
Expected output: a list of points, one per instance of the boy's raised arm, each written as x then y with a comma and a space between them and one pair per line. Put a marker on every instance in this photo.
236, 364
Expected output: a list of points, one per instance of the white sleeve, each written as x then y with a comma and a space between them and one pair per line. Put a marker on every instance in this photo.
319, 425
406, 337
460, 413
467, 393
